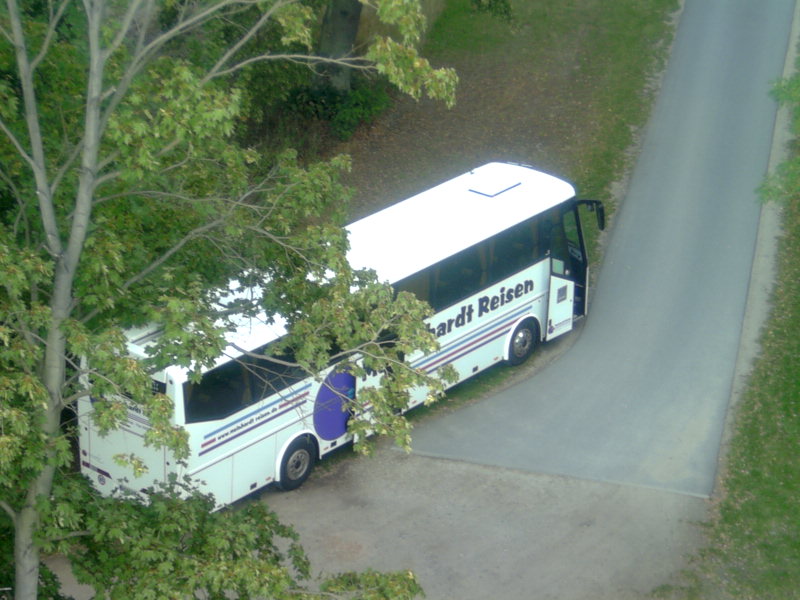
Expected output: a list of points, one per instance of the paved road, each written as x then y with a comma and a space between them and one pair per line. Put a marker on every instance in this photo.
587, 480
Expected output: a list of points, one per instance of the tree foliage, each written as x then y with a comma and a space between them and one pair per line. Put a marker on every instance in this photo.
125, 199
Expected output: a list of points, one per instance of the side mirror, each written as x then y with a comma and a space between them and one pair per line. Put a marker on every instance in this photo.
596, 206
601, 215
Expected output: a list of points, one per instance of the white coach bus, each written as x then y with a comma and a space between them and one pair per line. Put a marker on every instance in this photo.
497, 252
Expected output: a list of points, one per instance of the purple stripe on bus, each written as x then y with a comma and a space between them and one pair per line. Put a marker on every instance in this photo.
249, 429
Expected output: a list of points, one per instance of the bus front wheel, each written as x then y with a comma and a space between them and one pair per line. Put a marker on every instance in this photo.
523, 342
297, 464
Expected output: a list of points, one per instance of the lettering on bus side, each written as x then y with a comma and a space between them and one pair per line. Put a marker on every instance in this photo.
487, 304
481, 306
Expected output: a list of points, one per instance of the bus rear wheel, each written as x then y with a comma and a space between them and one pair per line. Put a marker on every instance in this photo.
297, 464
523, 342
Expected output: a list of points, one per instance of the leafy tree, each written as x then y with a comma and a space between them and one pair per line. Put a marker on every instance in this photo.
125, 200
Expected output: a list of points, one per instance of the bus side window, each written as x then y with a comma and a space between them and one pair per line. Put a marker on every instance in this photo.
221, 392
513, 250
236, 384
458, 277
270, 377
418, 284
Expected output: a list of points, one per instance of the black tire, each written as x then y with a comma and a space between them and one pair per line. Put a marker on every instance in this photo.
297, 463
523, 342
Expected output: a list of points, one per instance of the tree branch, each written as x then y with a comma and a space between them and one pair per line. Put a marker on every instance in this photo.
357, 62
105, 177
36, 158
30, 336
51, 29
9, 511
7, 34
153, 194
90, 148
72, 534
64, 168
243, 40
21, 216
87, 391
197, 232
125, 24
145, 52
17, 145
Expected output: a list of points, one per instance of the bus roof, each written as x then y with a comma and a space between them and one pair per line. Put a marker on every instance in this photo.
406, 237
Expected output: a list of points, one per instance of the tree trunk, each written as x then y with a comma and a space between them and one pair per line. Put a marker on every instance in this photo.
337, 40
26, 556
26, 552
66, 259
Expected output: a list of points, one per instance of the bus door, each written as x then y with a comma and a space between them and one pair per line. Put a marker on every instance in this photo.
562, 298
574, 255
569, 272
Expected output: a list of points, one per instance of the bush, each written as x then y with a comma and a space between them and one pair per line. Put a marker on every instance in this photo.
363, 104
343, 111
